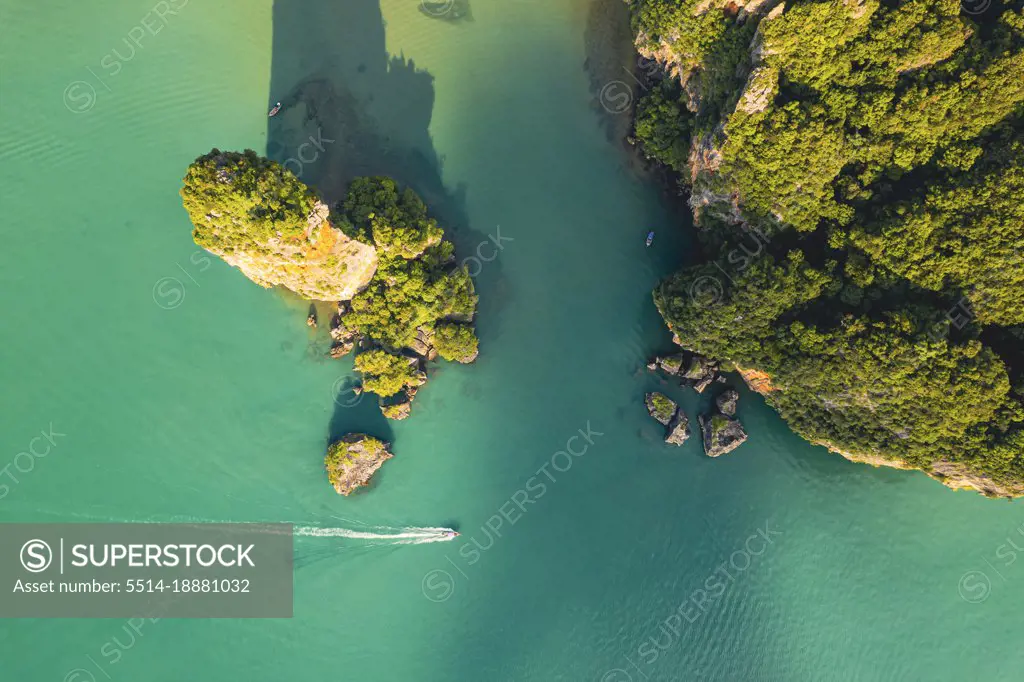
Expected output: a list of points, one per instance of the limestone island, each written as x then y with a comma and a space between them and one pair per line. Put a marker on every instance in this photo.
401, 299
854, 170
722, 432
666, 412
353, 460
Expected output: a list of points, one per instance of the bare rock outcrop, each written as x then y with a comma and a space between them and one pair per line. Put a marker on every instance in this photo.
700, 372
756, 380
397, 409
694, 370
666, 412
721, 434
327, 266
669, 364
423, 344
343, 338
678, 428
726, 402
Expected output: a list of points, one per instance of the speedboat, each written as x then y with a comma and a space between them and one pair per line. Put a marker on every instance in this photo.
449, 534
650, 237
277, 108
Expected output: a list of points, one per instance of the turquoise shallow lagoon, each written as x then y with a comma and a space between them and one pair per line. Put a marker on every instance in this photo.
186, 393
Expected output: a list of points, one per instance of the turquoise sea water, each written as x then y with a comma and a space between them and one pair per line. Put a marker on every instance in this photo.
186, 393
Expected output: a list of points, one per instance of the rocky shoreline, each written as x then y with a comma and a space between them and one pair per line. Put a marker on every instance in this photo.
950, 474
418, 353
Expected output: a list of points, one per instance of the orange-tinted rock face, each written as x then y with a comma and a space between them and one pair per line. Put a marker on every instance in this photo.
327, 266
758, 381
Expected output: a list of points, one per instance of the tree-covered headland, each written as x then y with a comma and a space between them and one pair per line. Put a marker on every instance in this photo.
856, 173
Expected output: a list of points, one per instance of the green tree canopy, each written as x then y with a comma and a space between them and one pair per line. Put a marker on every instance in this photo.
879, 148
242, 201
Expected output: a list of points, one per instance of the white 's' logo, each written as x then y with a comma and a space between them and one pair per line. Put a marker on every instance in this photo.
36, 556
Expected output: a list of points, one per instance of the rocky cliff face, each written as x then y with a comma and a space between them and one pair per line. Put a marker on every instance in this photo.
713, 194
260, 218
327, 266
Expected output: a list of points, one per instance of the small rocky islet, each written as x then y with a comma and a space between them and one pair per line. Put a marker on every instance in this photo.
353, 460
402, 301
670, 415
720, 431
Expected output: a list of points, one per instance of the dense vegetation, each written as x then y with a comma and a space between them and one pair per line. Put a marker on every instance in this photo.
456, 342
661, 407
407, 300
386, 374
857, 175
242, 201
417, 292
416, 285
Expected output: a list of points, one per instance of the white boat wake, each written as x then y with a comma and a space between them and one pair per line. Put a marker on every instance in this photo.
383, 535
395, 536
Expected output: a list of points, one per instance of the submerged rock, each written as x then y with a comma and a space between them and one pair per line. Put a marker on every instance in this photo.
727, 402
721, 434
352, 461
661, 407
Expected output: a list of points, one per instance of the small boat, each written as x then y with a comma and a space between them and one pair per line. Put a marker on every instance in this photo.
650, 237
277, 108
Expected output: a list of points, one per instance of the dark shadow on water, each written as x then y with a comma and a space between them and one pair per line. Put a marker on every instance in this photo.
356, 413
350, 109
619, 78
610, 64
